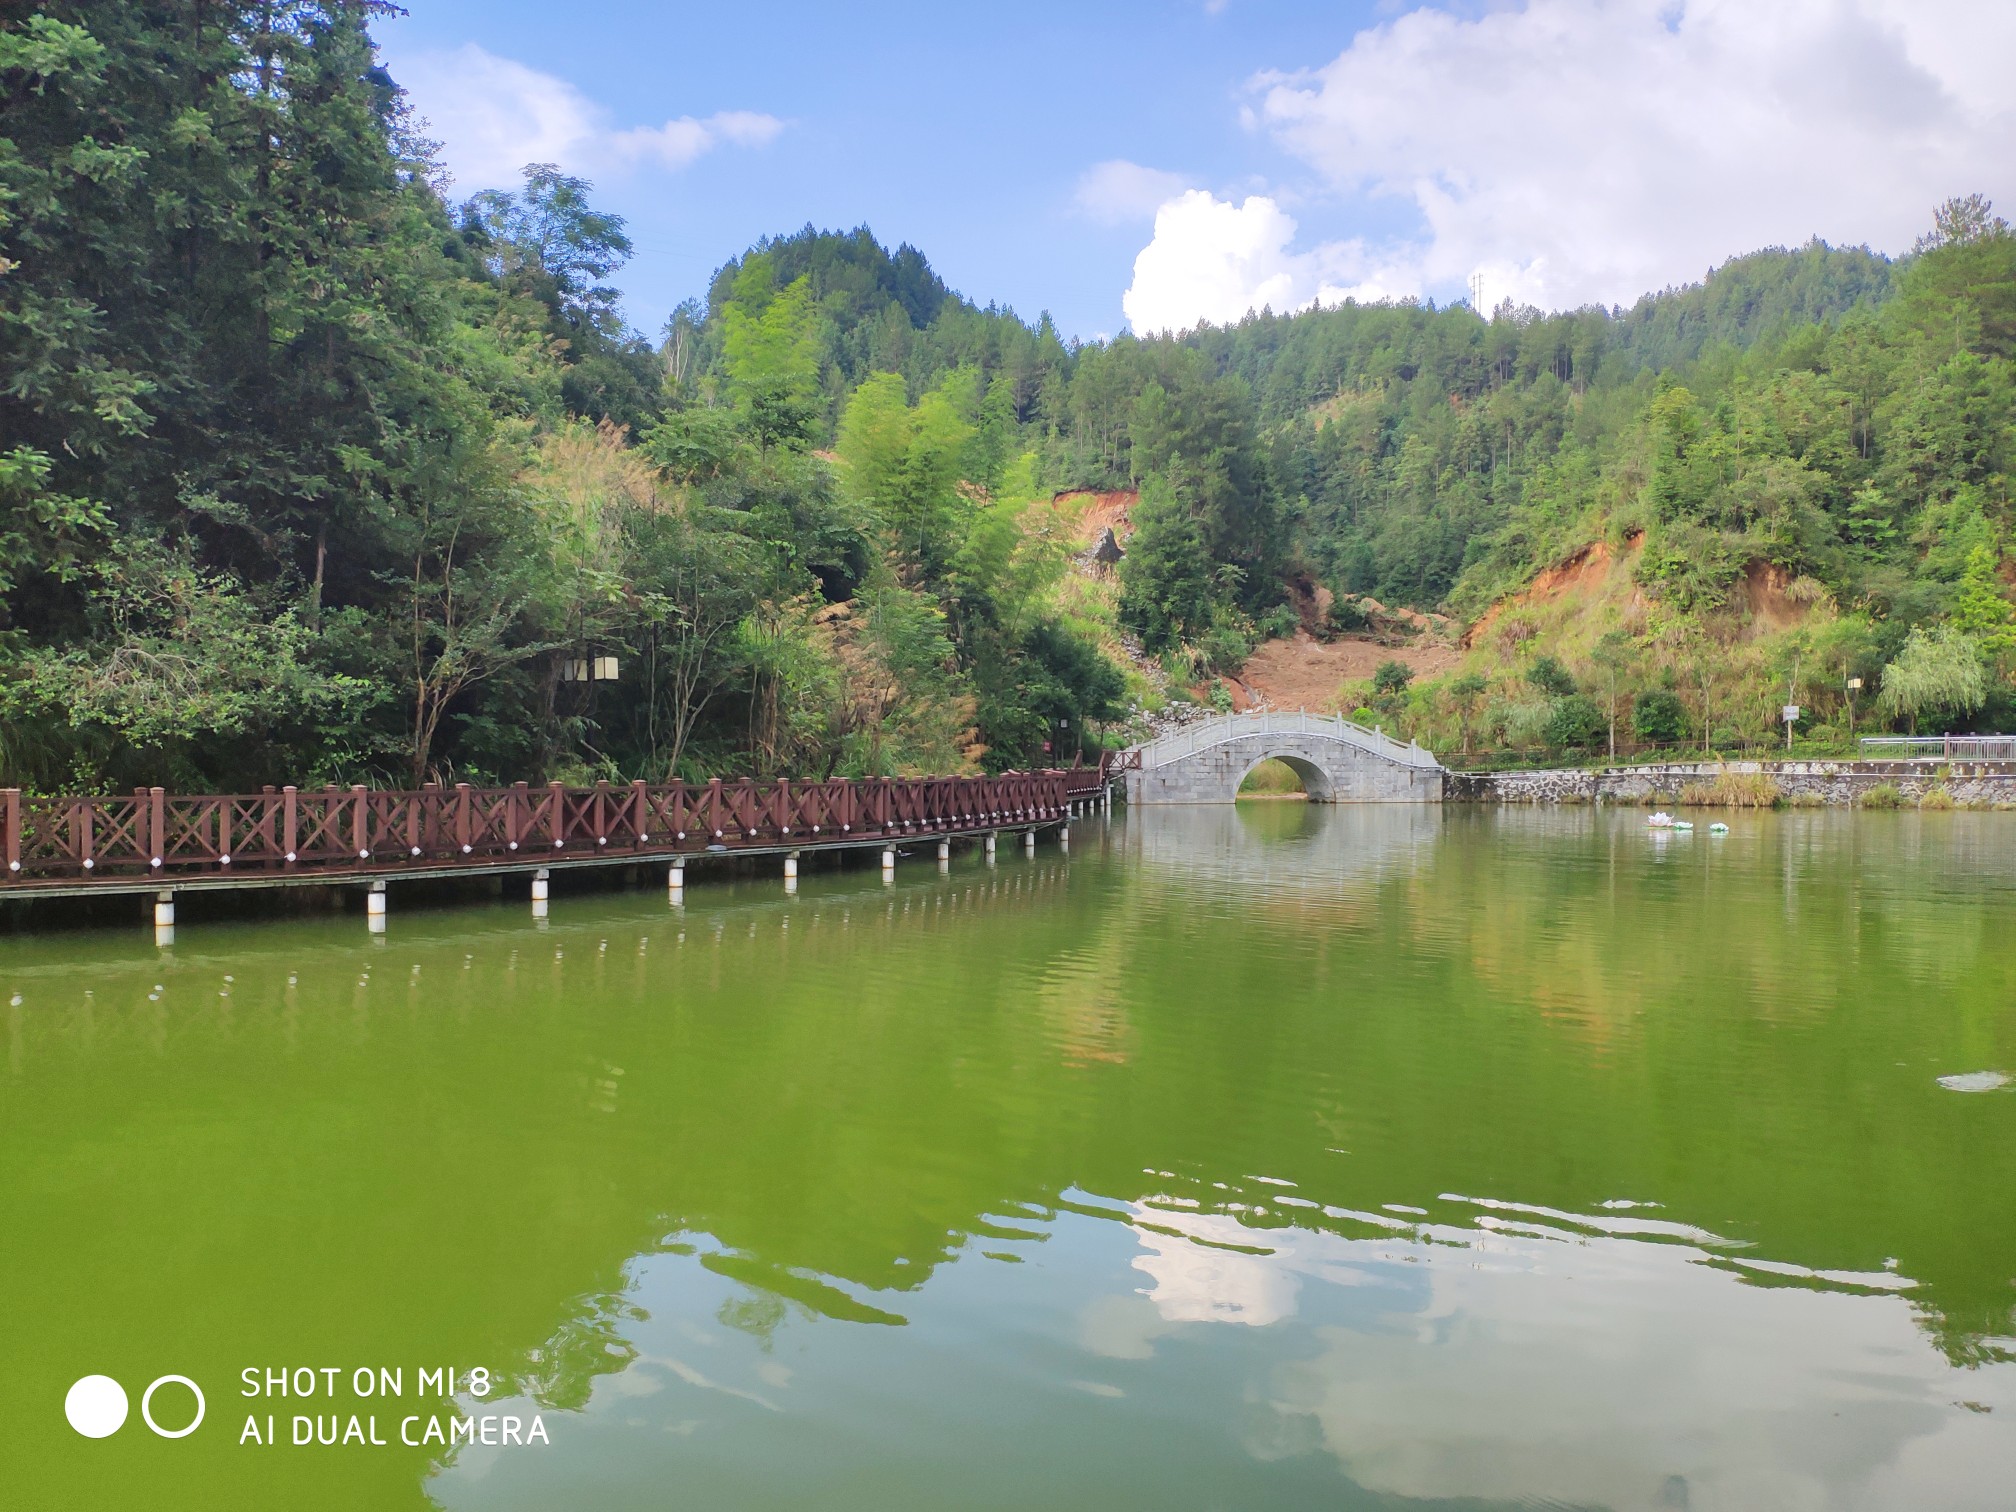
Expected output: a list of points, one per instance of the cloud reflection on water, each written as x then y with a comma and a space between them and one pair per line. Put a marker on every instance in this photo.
1598, 1361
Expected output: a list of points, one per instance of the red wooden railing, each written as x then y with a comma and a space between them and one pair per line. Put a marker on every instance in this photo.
155, 834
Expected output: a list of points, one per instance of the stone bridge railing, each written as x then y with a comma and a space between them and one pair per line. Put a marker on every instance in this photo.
1188, 741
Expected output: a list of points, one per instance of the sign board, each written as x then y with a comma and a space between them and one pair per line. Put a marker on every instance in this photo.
1791, 713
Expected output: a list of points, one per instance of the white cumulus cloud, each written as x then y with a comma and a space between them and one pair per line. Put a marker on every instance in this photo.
1578, 151
1212, 260
1591, 150
493, 115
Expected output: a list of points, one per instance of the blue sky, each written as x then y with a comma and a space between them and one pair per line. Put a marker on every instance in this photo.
1176, 161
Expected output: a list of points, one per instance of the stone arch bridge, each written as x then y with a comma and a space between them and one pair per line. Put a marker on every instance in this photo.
1338, 762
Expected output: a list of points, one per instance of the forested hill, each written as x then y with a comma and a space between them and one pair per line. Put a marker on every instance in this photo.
310, 472
1409, 372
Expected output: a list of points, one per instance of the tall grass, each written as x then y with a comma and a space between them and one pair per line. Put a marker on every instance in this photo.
1734, 790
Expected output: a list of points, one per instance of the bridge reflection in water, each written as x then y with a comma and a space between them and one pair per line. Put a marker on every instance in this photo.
1270, 1157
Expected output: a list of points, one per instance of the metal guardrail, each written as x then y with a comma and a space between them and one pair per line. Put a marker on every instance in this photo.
1194, 738
1944, 747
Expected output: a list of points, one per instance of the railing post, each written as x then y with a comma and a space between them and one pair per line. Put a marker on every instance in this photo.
557, 793
290, 822
640, 813
10, 832
360, 821
156, 823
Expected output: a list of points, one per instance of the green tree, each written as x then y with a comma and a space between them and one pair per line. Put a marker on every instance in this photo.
1938, 671
1573, 721
1550, 677
1168, 592
1616, 654
1980, 611
772, 358
548, 238
1391, 678
902, 464
1658, 718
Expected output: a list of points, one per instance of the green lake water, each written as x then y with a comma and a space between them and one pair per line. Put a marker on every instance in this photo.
1277, 1157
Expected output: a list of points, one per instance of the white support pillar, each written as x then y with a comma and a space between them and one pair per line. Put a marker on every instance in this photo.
675, 881
1029, 842
374, 908
541, 891
164, 908
791, 872
1064, 836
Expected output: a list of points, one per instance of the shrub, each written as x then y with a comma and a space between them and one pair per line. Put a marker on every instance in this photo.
1345, 615
1392, 677
1550, 677
1574, 721
1278, 623
1658, 717
1221, 696
1937, 796
1884, 795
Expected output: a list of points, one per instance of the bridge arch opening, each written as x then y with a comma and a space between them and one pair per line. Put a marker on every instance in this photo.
1279, 765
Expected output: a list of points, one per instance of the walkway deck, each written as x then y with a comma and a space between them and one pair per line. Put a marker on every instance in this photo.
281, 837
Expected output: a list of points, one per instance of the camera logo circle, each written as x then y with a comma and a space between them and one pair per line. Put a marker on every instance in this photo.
96, 1406
147, 1401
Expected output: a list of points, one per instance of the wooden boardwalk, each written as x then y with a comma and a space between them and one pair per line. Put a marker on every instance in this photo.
159, 841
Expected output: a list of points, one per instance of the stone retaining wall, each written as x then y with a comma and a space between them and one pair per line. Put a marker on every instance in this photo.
1970, 784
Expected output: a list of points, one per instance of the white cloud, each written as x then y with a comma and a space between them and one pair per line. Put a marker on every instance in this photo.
1591, 150
1117, 190
1213, 260
493, 116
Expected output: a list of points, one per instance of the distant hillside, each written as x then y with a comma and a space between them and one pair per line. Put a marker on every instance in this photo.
1759, 297
1823, 421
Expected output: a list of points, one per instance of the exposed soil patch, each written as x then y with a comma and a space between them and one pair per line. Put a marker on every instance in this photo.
1582, 574
1766, 596
1095, 512
1301, 672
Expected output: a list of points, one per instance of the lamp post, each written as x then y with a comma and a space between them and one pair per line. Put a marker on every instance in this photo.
1854, 687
